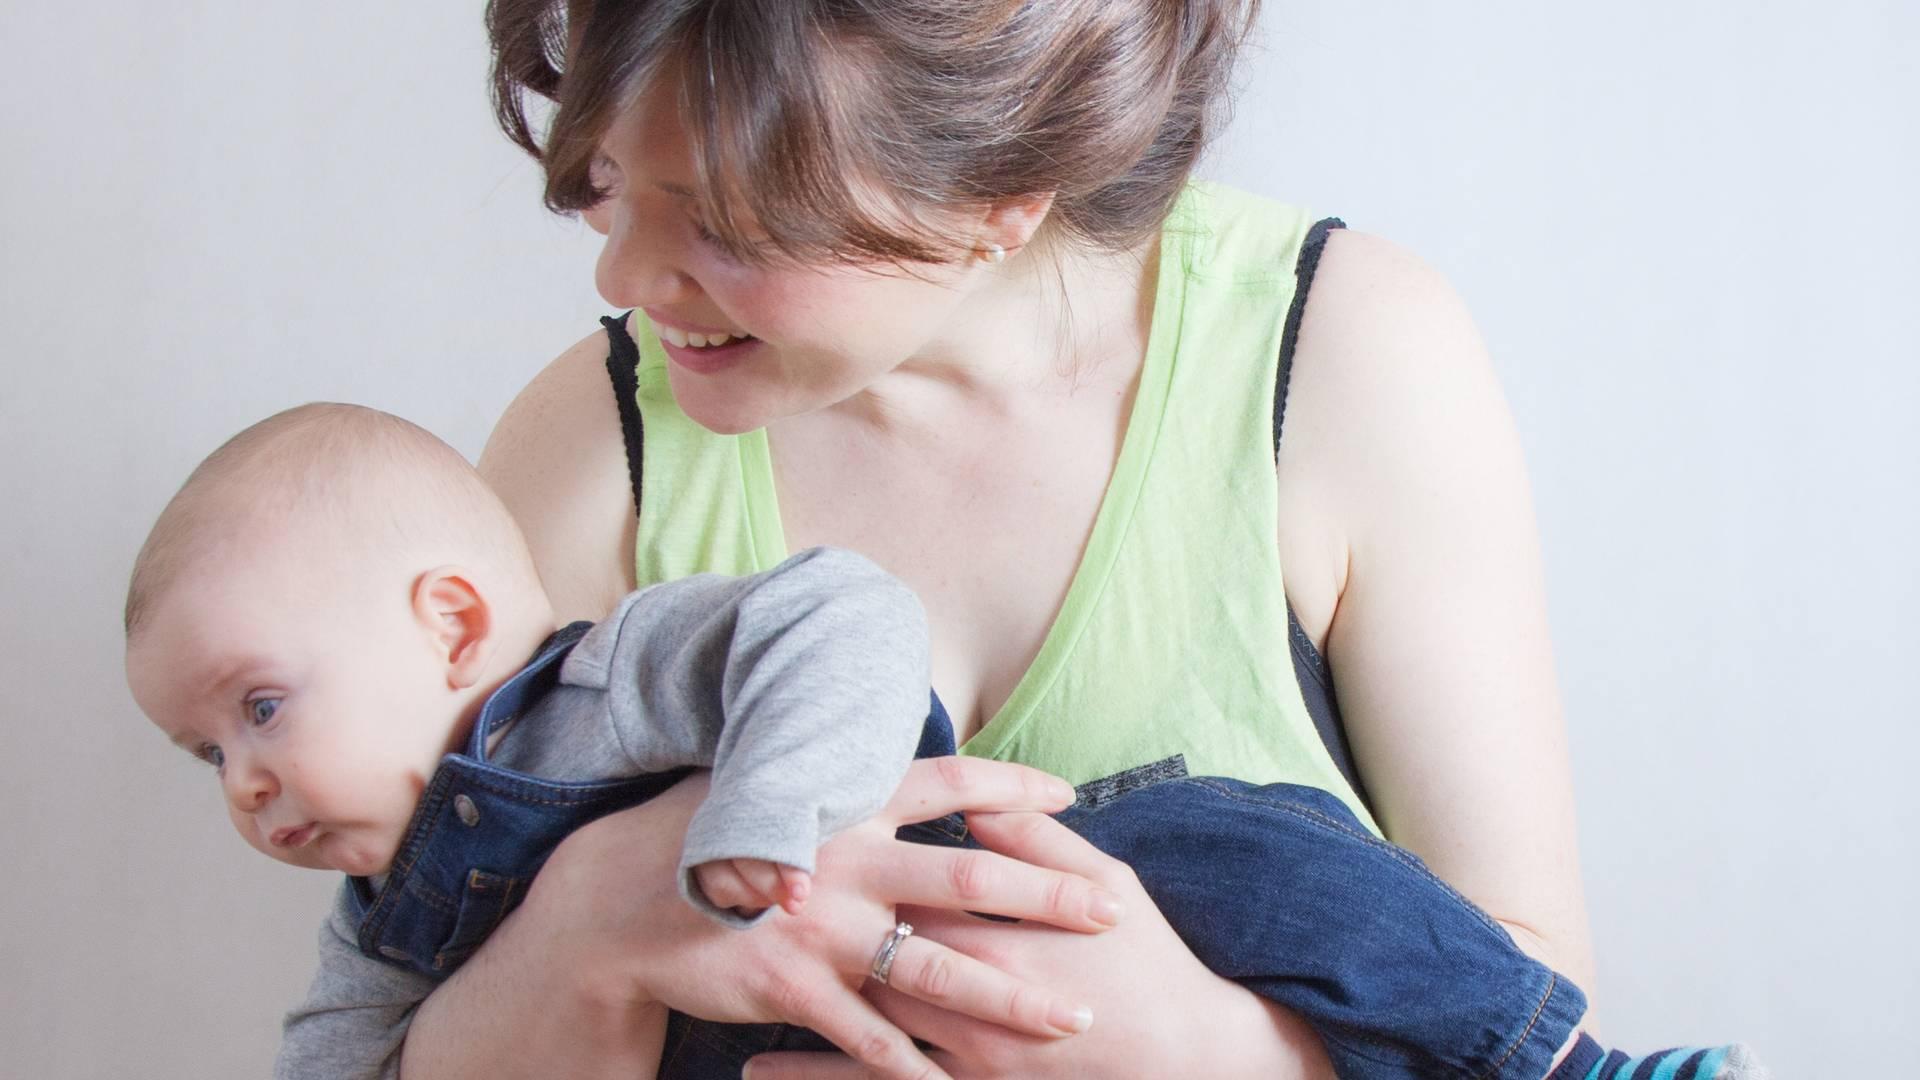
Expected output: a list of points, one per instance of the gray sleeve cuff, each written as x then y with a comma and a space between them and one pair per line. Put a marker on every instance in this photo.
789, 835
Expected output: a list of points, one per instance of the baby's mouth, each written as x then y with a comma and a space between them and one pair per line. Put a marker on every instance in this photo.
289, 836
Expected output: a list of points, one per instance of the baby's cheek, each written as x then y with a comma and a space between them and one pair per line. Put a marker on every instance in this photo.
250, 832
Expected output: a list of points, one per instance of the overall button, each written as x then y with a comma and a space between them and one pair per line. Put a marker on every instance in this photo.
468, 813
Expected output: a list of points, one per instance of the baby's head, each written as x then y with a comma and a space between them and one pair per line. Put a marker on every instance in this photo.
319, 614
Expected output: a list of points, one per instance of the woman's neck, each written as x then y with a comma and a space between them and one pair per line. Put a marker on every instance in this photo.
1043, 324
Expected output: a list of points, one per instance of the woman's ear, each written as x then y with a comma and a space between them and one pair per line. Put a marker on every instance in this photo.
449, 607
1011, 223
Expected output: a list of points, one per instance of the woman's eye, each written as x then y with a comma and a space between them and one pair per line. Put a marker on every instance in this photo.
261, 710
212, 755
714, 241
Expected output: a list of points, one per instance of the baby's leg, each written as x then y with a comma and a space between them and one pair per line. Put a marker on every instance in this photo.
1586, 1060
1280, 888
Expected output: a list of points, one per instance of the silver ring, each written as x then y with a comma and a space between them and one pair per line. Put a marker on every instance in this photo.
883, 960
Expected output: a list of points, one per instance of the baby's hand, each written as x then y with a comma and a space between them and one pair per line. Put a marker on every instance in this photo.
749, 886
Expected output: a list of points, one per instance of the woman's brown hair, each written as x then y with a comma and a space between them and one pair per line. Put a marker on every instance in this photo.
840, 128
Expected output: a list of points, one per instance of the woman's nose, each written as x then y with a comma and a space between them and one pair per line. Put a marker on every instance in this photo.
249, 785
640, 266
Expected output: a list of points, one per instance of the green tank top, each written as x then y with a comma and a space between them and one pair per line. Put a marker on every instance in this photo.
1173, 637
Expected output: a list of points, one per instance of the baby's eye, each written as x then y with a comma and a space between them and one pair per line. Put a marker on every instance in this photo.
212, 755
261, 710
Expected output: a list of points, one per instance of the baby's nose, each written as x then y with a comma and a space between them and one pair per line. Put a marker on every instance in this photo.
249, 788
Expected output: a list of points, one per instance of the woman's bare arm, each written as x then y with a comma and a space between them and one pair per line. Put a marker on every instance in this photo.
557, 459
1402, 469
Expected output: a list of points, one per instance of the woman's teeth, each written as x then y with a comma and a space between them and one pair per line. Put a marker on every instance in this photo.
682, 339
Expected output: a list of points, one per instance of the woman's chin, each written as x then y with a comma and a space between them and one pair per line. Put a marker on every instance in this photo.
716, 410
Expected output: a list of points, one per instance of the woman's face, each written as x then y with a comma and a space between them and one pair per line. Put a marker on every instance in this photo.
817, 336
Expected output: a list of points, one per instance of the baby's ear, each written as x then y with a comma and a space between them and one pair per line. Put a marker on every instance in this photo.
449, 607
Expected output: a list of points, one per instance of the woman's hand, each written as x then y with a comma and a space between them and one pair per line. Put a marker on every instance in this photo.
608, 909
1161, 1013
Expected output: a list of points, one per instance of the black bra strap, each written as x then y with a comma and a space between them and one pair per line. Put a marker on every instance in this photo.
623, 367
1303, 270
1310, 668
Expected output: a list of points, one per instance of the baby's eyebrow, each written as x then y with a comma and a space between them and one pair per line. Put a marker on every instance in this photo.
219, 672
186, 744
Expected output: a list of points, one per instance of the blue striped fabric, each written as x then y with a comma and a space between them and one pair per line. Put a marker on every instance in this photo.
1680, 1063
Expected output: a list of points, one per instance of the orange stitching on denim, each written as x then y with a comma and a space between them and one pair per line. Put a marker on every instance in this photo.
1552, 981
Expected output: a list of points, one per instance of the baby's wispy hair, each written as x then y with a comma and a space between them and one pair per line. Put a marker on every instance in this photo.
344, 474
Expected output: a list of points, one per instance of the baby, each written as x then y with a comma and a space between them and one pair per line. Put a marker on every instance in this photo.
337, 614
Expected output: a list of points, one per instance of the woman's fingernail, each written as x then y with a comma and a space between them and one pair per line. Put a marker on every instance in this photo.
747, 1070
1072, 1020
1104, 908
1063, 792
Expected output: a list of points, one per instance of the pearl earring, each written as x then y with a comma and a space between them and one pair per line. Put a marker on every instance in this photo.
993, 253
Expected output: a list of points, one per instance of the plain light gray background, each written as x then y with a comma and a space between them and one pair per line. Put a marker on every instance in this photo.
1688, 232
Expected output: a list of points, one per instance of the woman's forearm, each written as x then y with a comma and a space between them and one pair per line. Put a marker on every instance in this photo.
1248, 1036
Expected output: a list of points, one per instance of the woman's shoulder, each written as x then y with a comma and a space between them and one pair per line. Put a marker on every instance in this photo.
1231, 232
556, 458
1385, 339
1395, 420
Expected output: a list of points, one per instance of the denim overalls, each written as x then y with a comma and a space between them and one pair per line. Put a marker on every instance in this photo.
480, 834
1276, 886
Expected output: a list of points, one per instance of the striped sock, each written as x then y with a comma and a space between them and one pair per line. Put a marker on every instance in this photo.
1587, 1061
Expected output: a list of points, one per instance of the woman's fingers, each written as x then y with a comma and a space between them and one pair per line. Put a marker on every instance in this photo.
797, 1065
967, 879
938, 786
851, 1023
918, 1019
900, 1009
939, 976
1038, 840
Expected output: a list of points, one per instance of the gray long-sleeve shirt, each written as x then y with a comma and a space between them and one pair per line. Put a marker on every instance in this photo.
804, 688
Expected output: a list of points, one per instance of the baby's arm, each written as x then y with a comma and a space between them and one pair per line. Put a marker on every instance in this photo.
804, 688
356, 1012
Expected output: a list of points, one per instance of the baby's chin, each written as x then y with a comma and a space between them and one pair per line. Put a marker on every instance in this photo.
335, 853
352, 856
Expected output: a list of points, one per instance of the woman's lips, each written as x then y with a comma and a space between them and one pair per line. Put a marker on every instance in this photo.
290, 837
710, 359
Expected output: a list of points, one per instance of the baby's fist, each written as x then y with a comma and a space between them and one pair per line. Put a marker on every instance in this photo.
749, 886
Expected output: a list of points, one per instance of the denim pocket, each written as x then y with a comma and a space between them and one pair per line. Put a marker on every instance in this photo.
483, 903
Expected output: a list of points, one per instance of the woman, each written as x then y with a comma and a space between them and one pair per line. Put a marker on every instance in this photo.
926, 280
